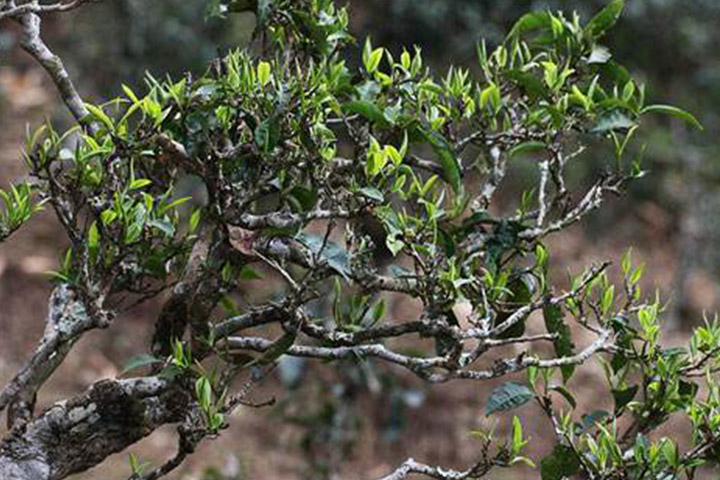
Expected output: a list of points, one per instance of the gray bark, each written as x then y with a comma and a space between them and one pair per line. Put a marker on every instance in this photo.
75, 435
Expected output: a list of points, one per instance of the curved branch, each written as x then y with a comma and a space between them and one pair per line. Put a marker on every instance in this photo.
411, 467
338, 353
66, 321
77, 434
33, 44
287, 220
36, 8
425, 368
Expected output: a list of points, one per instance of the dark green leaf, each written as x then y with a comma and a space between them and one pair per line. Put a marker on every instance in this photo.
687, 390
275, 350
562, 463
674, 352
503, 240
368, 110
618, 361
530, 22
605, 19
614, 73
555, 323
333, 253
624, 396
451, 168
303, 199
164, 226
267, 134
527, 147
215, 9
248, 273
531, 84
522, 288
566, 394
171, 372
508, 396
474, 223
447, 242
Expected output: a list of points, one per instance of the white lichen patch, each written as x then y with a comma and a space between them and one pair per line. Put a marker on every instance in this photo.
81, 414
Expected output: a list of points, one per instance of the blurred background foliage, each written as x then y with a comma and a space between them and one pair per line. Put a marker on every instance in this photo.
118, 41
670, 44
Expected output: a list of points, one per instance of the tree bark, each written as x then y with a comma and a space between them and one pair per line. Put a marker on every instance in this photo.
77, 434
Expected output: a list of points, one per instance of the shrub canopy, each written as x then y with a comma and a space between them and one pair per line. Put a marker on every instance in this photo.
352, 185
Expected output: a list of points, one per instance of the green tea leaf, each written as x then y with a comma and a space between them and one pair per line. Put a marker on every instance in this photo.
531, 22
531, 84
276, 350
624, 396
565, 394
248, 273
263, 73
373, 194
605, 19
367, 109
527, 147
555, 323
508, 396
450, 165
673, 112
562, 463
612, 121
589, 420
333, 253
98, 114
139, 183
139, 361
203, 392
267, 134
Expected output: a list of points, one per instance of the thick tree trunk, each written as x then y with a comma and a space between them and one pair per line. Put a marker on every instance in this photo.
78, 434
